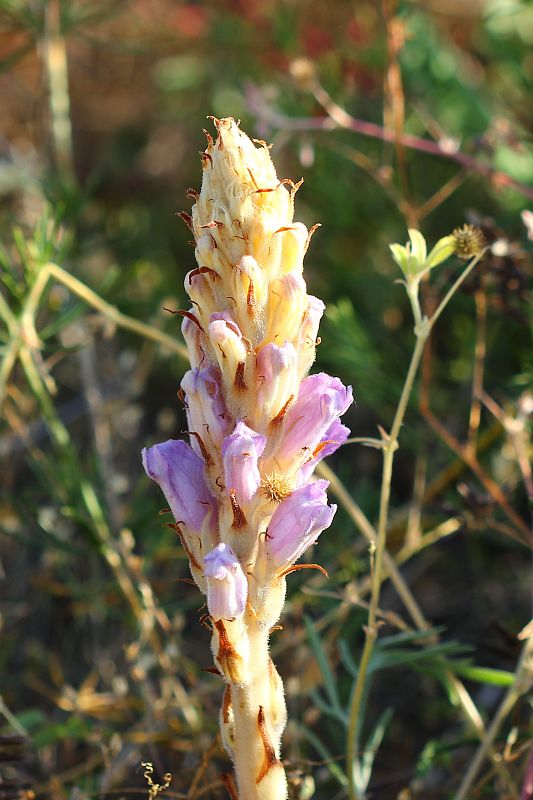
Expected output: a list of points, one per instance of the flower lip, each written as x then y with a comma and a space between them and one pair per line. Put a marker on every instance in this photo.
179, 471
297, 523
321, 400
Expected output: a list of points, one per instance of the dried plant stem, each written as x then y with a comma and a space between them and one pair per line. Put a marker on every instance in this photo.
56, 65
479, 364
112, 313
24, 331
516, 429
523, 682
369, 533
61, 439
339, 118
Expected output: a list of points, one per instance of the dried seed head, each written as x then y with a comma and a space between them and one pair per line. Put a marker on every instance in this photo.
469, 241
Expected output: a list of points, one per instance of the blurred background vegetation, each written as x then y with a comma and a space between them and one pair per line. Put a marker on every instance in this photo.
101, 655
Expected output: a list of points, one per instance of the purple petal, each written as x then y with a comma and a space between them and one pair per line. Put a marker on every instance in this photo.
335, 436
180, 474
227, 587
321, 400
298, 522
241, 451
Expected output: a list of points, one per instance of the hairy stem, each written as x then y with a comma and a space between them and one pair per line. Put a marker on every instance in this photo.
253, 713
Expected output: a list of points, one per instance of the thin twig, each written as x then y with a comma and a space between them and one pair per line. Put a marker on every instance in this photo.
479, 365
56, 66
24, 332
113, 314
341, 119
516, 430
523, 681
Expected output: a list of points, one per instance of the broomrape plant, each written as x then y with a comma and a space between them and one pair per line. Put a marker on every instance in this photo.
242, 493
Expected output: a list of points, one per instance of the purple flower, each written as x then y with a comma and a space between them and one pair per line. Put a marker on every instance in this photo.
298, 522
207, 412
241, 451
311, 420
227, 587
180, 474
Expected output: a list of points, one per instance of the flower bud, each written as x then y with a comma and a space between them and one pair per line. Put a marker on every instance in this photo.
297, 523
288, 301
277, 377
241, 451
308, 334
227, 587
206, 410
227, 342
294, 247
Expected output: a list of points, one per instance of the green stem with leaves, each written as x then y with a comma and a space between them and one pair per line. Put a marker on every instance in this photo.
423, 327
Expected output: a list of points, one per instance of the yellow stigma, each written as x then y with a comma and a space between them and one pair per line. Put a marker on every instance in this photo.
469, 241
276, 487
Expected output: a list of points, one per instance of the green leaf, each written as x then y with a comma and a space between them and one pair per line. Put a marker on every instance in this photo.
401, 256
418, 248
346, 658
444, 248
323, 751
325, 669
371, 748
487, 675
410, 636
385, 659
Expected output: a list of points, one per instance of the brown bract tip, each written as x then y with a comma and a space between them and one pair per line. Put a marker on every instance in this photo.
278, 419
270, 759
239, 382
227, 656
239, 520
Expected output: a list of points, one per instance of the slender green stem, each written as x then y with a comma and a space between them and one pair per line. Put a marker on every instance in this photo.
423, 327
452, 290
8, 362
7, 315
389, 447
